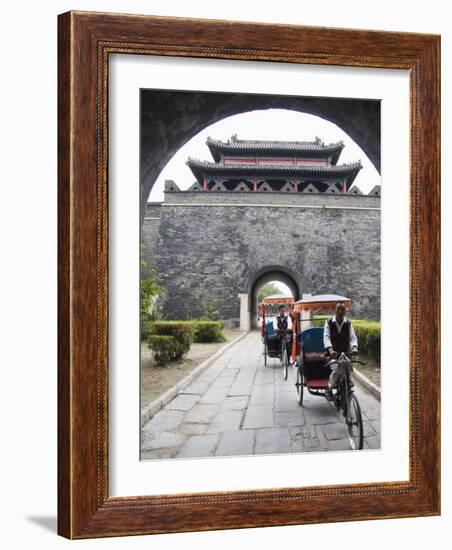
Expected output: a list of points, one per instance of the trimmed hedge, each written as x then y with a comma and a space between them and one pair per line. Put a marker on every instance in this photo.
369, 337
170, 339
165, 348
209, 331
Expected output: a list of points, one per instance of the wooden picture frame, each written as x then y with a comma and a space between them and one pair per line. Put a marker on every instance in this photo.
85, 42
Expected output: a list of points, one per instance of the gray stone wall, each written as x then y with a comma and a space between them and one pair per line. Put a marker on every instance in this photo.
213, 245
150, 234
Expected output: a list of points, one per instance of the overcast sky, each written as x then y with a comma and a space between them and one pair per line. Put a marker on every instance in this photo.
272, 124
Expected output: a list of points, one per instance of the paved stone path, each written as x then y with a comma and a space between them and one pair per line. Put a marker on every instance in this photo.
237, 406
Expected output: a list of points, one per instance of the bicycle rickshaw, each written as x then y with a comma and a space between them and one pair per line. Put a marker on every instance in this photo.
313, 367
275, 344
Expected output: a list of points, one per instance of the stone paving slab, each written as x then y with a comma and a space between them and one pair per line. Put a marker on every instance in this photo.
156, 454
285, 401
238, 407
223, 381
289, 418
262, 395
334, 431
214, 394
235, 443
193, 428
162, 440
182, 402
196, 388
164, 421
202, 413
226, 420
199, 445
235, 402
258, 416
272, 441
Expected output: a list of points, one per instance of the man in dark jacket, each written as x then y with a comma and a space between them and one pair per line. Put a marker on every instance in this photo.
283, 322
338, 337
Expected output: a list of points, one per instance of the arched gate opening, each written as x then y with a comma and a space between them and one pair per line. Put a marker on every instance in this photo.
267, 275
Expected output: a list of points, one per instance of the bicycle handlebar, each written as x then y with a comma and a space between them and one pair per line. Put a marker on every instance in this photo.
351, 361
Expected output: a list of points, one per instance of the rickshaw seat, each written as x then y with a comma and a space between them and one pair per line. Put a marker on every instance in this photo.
270, 330
316, 372
312, 341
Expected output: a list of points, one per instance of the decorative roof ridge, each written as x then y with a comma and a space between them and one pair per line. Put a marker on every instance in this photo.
234, 142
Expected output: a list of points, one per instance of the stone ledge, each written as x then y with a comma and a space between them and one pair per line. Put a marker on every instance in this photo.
269, 205
367, 384
273, 199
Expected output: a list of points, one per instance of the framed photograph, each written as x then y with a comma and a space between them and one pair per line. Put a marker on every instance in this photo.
248, 275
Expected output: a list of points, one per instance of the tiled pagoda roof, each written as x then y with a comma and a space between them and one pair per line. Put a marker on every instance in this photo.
247, 146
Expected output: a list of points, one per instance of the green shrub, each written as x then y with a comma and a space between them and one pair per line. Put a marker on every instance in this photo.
182, 331
165, 348
209, 331
211, 312
369, 337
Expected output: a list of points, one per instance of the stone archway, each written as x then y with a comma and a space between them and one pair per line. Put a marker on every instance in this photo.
171, 118
265, 275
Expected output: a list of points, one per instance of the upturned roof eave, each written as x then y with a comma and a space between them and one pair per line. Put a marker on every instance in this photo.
210, 169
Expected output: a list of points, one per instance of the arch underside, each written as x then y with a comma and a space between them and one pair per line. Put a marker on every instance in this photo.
171, 118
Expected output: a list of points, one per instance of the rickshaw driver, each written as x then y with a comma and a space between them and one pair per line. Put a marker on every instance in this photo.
338, 337
283, 322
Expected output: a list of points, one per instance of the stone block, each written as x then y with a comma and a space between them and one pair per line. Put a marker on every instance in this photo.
226, 420
262, 394
161, 440
183, 402
236, 443
258, 416
214, 395
289, 418
273, 441
199, 446
164, 421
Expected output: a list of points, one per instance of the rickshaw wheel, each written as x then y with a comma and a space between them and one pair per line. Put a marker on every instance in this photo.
285, 362
299, 386
355, 428
265, 354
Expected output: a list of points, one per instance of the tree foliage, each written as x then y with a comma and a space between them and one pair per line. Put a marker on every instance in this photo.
211, 312
150, 290
267, 290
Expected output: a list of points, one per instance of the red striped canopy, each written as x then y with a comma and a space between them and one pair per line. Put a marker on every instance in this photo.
321, 303
278, 299
265, 306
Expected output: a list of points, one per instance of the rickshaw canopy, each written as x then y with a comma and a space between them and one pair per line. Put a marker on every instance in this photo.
278, 299
321, 303
266, 307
